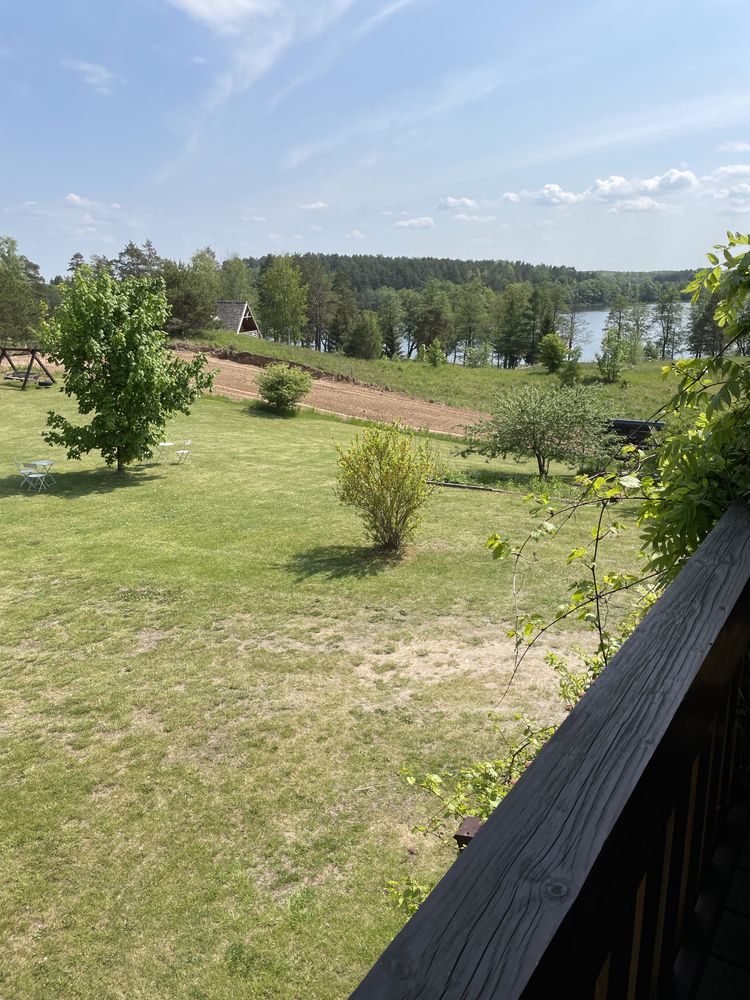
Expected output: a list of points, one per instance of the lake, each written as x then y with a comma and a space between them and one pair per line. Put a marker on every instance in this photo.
595, 320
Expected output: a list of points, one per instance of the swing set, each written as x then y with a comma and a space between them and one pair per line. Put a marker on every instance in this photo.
25, 375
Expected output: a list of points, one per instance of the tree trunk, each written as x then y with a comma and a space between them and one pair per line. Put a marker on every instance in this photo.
120, 464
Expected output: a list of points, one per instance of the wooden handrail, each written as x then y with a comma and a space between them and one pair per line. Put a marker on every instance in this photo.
585, 877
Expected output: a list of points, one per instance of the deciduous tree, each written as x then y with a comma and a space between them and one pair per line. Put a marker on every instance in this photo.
235, 283
321, 301
282, 301
389, 317
21, 291
566, 424
435, 320
514, 324
668, 323
109, 336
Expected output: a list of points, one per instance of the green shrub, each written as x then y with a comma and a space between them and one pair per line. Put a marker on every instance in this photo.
477, 357
434, 354
552, 351
570, 371
384, 477
283, 386
612, 359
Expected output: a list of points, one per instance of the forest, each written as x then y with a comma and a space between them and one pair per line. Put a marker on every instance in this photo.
366, 273
476, 313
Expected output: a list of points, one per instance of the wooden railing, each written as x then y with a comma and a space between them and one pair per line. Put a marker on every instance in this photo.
600, 874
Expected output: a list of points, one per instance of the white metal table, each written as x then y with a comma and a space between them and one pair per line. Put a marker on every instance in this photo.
43, 465
163, 449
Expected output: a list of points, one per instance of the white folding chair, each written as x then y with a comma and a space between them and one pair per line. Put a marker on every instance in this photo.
183, 454
33, 480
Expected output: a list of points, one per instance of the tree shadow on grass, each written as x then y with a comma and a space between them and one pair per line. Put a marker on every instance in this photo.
79, 483
257, 408
335, 562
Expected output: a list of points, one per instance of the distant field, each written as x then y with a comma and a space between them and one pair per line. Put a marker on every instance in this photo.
208, 685
455, 385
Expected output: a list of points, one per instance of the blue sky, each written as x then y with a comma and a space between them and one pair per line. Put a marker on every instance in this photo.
600, 135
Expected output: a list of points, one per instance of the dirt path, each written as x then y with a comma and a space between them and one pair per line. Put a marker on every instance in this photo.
239, 381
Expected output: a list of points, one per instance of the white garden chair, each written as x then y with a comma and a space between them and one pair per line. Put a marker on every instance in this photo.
183, 454
33, 480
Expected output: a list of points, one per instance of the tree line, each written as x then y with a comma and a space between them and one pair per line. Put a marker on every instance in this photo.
486, 312
366, 273
300, 302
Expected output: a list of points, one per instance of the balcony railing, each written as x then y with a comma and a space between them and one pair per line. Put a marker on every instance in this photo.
603, 872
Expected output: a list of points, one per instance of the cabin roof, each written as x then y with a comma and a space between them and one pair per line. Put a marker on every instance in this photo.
232, 313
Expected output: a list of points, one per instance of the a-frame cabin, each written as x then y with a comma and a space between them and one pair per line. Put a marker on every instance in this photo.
237, 316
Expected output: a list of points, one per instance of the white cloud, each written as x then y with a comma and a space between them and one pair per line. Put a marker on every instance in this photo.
92, 74
375, 20
553, 194
252, 217
356, 234
73, 217
386, 211
615, 188
226, 16
463, 217
316, 229
634, 192
511, 196
482, 240
733, 170
736, 199
257, 34
423, 222
314, 206
274, 237
642, 204
450, 202
733, 147
672, 180
611, 188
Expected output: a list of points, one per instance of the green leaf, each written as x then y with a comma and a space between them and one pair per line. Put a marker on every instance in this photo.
629, 482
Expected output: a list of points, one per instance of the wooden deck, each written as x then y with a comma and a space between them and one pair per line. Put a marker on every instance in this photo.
604, 873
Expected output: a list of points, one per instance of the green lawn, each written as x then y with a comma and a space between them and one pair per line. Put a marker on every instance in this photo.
208, 686
455, 385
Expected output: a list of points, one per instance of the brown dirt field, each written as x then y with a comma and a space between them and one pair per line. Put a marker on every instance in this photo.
345, 399
239, 381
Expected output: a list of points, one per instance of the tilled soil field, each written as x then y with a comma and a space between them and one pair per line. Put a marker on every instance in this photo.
239, 381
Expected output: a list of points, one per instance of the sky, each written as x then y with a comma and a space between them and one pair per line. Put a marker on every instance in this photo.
600, 135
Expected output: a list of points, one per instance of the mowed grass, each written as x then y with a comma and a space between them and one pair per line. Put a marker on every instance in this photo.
208, 686
644, 391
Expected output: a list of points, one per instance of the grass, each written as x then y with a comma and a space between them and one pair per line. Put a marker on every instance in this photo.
209, 684
644, 392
